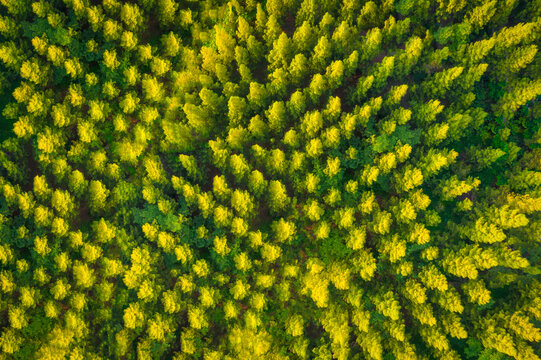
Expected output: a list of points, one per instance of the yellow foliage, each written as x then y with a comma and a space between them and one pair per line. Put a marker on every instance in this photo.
247, 343
386, 162
365, 264
264, 281
311, 183
388, 305
283, 230
239, 290
220, 245
239, 227
434, 338
369, 175
356, 238
166, 241
371, 344
521, 325
83, 275
424, 314
230, 309
477, 292
452, 326
313, 210
314, 148
146, 290
40, 245
450, 300
333, 167
201, 268
295, 325
270, 253
524, 203
339, 275
222, 216
361, 319
507, 218
17, 317
322, 230
414, 291
183, 253
242, 262
133, 316
333, 197
419, 234
393, 247
344, 218
91, 253
367, 203
258, 301
381, 223
495, 337
158, 328
255, 238
484, 232
433, 278
171, 301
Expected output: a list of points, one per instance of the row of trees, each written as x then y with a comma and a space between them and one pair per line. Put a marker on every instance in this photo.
270, 180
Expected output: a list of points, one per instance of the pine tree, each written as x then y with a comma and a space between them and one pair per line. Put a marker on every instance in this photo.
520, 93
480, 15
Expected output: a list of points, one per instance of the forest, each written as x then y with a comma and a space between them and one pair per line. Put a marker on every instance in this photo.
270, 179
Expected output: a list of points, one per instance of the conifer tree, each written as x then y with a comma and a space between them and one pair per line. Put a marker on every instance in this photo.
221, 175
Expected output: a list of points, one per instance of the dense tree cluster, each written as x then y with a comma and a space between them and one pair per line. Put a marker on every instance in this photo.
280, 179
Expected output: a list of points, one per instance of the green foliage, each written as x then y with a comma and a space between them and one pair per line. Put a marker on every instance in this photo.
333, 248
402, 133
57, 35
281, 179
168, 222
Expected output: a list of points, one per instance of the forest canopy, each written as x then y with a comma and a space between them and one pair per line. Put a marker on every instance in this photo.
280, 179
